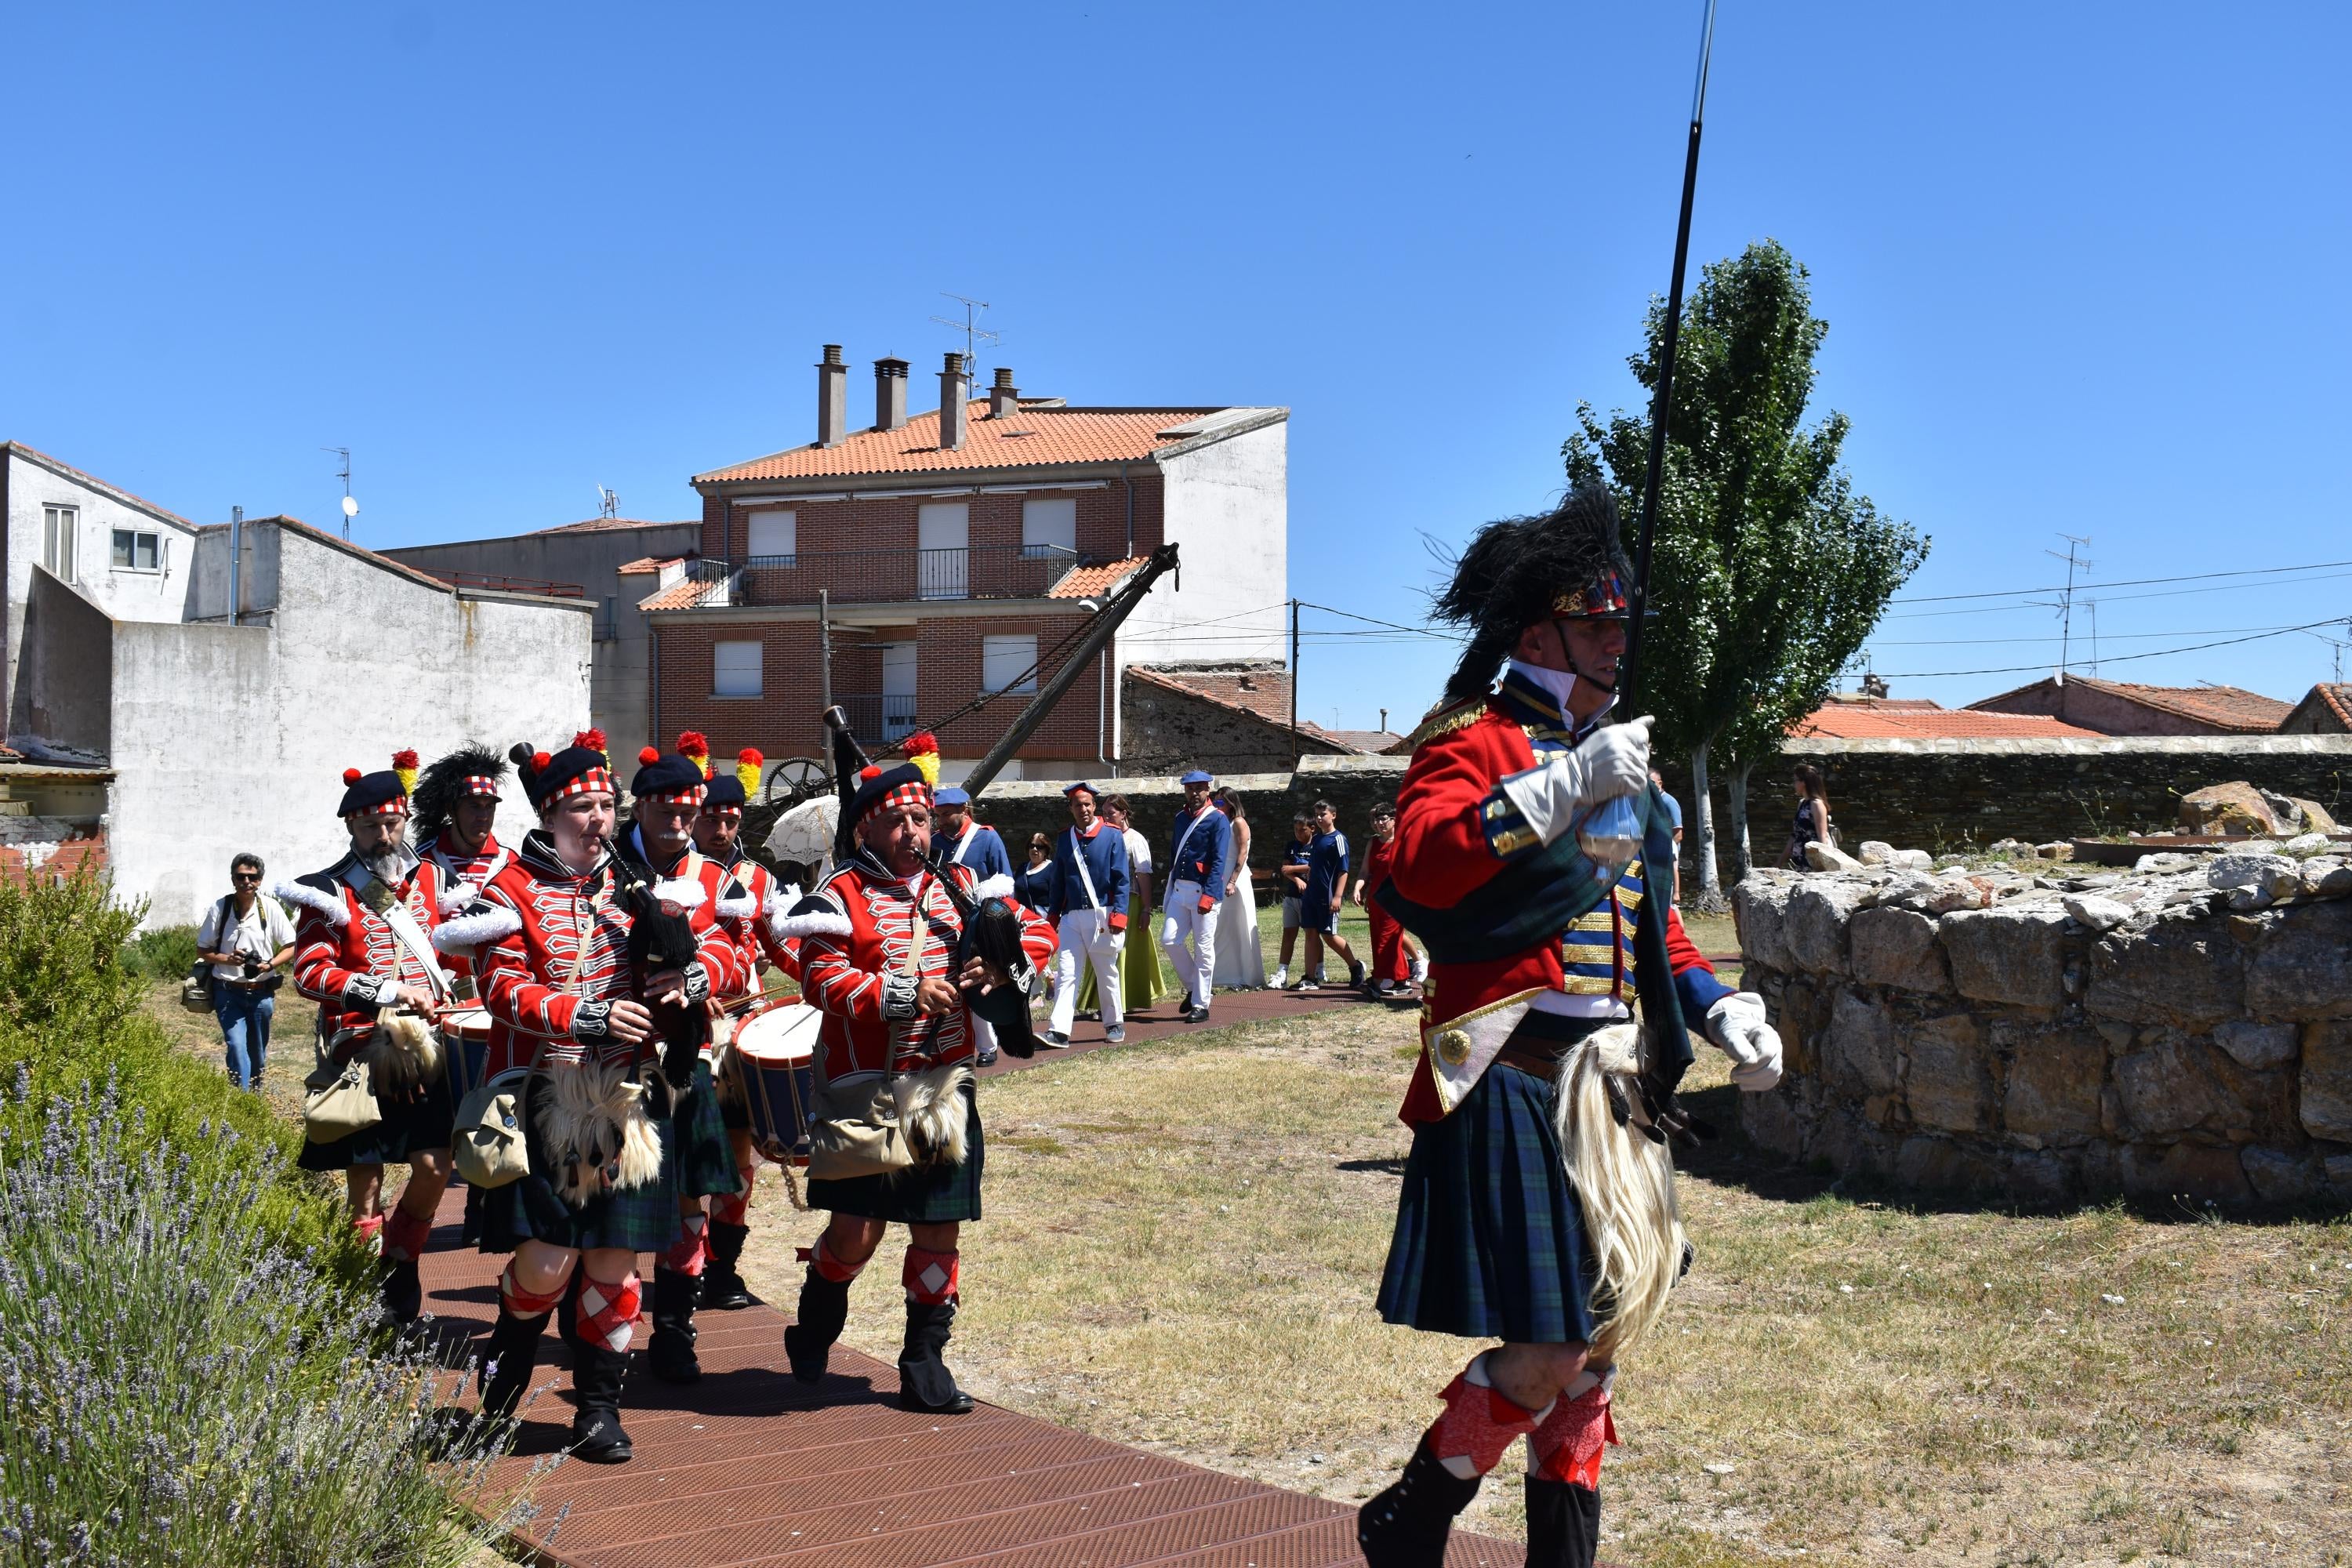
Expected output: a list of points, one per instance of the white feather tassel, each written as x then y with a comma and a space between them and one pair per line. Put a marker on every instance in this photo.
330, 905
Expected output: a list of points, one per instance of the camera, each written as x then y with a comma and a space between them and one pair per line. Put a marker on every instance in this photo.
252, 966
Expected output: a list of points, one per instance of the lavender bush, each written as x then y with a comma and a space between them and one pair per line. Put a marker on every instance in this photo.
180, 1386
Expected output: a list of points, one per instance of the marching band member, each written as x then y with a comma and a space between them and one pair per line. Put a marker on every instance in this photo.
564, 925
1090, 915
363, 952
879, 960
1538, 1205
1196, 886
964, 840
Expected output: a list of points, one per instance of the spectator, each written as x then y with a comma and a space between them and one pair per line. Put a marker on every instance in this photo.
1674, 812
1319, 902
247, 940
1813, 821
1140, 983
1290, 882
1089, 916
1395, 960
1033, 883
1240, 961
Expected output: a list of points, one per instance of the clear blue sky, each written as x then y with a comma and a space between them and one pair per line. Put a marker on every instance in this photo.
2079, 265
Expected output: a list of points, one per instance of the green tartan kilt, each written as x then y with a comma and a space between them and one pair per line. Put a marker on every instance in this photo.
427, 1121
634, 1219
936, 1197
706, 1160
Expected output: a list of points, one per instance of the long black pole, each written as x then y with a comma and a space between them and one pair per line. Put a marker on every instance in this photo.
1663, 402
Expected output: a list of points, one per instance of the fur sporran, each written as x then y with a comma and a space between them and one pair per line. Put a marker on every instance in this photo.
931, 1113
594, 1122
883, 1126
1624, 1180
402, 1052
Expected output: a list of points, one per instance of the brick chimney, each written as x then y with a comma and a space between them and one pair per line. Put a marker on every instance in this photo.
952, 395
832, 397
1003, 399
889, 394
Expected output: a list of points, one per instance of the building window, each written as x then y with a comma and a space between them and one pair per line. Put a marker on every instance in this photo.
58, 526
774, 538
1008, 663
942, 531
1049, 527
136, 551
899, 689
735, 669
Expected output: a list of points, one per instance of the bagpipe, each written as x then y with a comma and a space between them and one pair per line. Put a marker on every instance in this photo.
661, 938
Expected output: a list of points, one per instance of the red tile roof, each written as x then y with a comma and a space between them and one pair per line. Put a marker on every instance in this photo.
1261, 693
645, 564
1041, 435
2229, 709
1913, 718
1086, 582
601, 524
1371, 742
685, 594
2328, 702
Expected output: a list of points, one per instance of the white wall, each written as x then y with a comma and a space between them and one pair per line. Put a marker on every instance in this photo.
229, 739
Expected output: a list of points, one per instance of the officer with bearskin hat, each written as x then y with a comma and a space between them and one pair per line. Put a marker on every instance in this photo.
880, 958
363, 952
1537, 1202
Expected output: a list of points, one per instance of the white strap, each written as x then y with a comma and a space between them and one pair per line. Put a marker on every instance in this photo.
412, 943
971, 832
1079, 853
1175, 870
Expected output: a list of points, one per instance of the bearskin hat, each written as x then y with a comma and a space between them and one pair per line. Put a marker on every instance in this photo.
1523, 570
450, 779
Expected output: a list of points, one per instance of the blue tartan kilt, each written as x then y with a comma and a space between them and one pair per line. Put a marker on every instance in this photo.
1490, 1239
634, 1219
427, 1121
934, 1197
706, 1160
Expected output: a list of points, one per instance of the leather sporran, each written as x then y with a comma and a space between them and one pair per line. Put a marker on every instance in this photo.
338, 1101
489, 1149
857, 1132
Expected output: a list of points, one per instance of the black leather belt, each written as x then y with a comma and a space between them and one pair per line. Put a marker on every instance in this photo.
1540, 1040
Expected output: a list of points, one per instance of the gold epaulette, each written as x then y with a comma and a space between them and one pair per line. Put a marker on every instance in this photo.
1446, 718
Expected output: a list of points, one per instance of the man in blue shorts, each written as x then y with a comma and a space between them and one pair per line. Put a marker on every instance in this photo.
1318, 902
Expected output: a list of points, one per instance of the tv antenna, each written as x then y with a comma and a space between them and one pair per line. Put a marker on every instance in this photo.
2066, 599
351, 507
975, 334
608, 503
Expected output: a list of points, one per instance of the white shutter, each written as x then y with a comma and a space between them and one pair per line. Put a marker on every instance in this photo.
735, 669
1049, 525
942, 537
773, 534
1004, 664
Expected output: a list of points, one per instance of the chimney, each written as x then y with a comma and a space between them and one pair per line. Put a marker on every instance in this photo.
832, 397
953, 389
1003, 399
889, 394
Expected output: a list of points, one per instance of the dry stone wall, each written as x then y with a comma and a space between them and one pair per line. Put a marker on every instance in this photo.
2184, 1028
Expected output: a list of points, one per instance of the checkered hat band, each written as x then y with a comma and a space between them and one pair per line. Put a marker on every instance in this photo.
915, 792
396, 806
724, 807
594, 778
480, 783
677, 797
1604, 596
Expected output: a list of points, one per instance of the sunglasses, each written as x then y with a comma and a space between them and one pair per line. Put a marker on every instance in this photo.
245, 876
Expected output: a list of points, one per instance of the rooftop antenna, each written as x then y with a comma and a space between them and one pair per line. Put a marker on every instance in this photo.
975, 334
608, 503
351, 507
2066, 599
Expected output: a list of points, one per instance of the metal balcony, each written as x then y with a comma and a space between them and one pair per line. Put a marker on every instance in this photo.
892, 576
878, 721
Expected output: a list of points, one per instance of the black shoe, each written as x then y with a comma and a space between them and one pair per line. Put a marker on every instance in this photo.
470, 1232
671, 1352
925, 1383
597, 1436
1563, 1524
1355, 971
1406, 1525
507, 1361
1196, 1014
987, 1059
723, 1289
403, 1293
824, 1309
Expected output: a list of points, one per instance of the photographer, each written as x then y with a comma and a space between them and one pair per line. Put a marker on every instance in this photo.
247, 940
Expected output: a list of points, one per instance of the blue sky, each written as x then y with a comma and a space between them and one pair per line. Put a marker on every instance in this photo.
2078, 263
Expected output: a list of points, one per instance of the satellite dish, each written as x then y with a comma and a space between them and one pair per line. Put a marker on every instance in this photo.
351, 507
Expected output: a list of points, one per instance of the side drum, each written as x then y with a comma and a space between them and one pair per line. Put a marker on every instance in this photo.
774, 1066
466, 1048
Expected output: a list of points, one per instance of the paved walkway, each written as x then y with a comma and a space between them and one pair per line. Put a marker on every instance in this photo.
749, 1467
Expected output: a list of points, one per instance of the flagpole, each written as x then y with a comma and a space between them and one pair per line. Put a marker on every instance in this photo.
1662, 402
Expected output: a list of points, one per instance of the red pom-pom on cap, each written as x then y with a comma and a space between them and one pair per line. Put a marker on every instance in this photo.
870, 771
649, 757
352, 776
692, 743
594, 740
539, 762
403, 759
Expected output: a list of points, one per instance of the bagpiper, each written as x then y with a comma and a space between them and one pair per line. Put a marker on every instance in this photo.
1538, 1205
761, 931
581, 953
363, 952
885, 958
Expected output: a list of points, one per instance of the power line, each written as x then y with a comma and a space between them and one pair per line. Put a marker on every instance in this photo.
2119, 659
2125, 582
2105, 598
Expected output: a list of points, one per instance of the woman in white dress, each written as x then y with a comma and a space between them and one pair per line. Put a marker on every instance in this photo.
1240, 964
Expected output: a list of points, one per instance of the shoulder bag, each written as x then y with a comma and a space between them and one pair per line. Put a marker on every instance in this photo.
490, 1147
857, 1131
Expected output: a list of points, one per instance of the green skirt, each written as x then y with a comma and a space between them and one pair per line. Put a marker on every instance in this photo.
706, 1160
634, 1219
936, 1197
427, 1121
1141, 981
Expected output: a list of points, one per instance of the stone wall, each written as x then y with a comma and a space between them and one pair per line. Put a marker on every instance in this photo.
2061, 1040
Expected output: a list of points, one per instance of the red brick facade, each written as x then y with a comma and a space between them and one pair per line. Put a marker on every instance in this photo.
69, 858
836, 535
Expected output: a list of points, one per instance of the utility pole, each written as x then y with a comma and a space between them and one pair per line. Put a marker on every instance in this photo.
1293, 684
825, 649
2066, 601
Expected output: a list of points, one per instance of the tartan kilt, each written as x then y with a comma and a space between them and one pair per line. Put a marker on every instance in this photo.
634, 1219
914, 1197
1490, 1240
706, 1160
426, 1122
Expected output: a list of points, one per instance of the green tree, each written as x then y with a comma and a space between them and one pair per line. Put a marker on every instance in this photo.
1767, 570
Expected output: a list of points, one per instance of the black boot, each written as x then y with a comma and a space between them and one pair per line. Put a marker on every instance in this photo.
507, 1361
1406, 1526
672, 1349
925, 1383
471, 1233
403, 1293
824, 1309
596, 1434
723, 1289
1563, 1524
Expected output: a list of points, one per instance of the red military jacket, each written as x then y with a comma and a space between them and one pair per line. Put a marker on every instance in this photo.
462, 879
1444, 856
555, 959
346, 957
756, 932
852, 950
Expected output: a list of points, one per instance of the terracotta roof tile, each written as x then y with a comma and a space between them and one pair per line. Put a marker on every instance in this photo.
1371, 742
2229, 709
2328, 703
1086, 582
2338, 701
687, 592
1041, 435
1912, 719
602, 525
1261, 693
644, 564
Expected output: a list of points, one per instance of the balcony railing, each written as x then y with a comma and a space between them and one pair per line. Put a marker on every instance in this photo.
888, 576
878, 721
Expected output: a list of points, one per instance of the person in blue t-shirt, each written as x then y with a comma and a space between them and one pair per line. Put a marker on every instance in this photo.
1319, 902
1291, 877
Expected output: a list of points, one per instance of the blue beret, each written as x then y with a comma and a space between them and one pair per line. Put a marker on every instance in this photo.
1197, 776
948, 794
1082, 784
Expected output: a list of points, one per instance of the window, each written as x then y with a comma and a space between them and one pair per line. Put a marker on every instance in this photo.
1047, 526
735, 669
136, 551
58, 526
943, 529
899, 690
1005, 664
774, 538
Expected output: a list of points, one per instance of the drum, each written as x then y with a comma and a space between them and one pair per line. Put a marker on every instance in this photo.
775, 1065
465, 1042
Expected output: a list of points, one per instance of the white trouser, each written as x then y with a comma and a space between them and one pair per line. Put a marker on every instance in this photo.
1187, 922
984, 1034
1085, 936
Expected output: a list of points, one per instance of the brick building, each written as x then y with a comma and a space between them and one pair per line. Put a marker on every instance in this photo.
2125, 708
2325, 710
909, 567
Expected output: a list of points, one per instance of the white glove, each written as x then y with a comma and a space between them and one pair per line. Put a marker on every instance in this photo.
1738, 1025
1612, 761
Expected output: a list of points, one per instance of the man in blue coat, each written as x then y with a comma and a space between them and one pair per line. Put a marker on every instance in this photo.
1090, 915
1203, 845
959, 841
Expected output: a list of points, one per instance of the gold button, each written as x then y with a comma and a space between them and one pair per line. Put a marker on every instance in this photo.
1454, 1048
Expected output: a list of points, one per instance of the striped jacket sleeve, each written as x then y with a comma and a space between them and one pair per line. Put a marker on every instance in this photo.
830, 978
508, 989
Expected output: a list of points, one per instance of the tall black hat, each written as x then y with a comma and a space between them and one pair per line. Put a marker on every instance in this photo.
1565, 565
471, 769
550, 776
